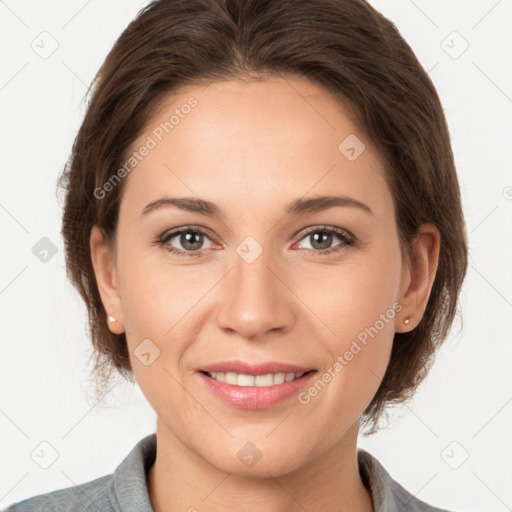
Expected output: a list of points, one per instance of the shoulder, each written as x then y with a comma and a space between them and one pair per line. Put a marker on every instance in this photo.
89, 496
387, 494
124, 489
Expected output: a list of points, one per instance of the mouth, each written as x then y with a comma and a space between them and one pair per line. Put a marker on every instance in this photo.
262, 386
263, 380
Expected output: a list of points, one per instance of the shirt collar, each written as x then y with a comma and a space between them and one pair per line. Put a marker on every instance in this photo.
387, 494
377, 480
130, 490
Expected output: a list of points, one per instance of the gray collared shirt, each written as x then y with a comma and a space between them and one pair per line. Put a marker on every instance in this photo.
125, 490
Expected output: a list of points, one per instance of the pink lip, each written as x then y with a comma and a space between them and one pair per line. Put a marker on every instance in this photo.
254, 369
255, 397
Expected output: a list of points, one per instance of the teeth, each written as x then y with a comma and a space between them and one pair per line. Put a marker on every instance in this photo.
241, 379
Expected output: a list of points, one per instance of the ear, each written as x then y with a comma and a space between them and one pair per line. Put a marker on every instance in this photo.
418, 277
103, 261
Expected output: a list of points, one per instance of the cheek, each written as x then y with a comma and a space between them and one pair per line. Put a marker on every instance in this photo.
158, 303
155, 293
357, 308
352, 295
153, 304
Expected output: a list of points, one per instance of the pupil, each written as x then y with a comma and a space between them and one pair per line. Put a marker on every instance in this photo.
191, 241
324, 242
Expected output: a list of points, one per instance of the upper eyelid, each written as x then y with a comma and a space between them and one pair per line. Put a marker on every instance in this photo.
326, 227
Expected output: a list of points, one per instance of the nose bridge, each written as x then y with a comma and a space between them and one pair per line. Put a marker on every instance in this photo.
251, 270
254, 298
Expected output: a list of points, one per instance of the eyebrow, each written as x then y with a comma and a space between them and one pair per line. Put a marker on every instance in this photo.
298, 207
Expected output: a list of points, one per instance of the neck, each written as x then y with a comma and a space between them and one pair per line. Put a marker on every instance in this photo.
181, 480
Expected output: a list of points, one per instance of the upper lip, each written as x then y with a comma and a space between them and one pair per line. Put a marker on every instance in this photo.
254, 369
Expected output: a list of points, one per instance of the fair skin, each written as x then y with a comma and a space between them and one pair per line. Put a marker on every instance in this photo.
252, 148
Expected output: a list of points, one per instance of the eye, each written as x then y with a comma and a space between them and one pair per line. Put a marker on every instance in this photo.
190, 238
321, 238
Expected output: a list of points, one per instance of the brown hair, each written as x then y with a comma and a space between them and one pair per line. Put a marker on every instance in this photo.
345, 46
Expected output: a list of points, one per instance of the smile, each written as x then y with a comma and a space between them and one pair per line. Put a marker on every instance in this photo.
245, 391
241, 379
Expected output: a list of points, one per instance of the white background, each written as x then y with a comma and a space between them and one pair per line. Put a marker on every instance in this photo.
46, 394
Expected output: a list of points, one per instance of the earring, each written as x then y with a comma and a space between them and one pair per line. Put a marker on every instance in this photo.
110, 318
408, 319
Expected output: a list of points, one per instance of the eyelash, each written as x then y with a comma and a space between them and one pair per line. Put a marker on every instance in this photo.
348, 239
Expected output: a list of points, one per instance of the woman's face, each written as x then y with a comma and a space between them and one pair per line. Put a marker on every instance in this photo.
267, 278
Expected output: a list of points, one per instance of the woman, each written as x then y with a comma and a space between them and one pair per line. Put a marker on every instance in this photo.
264, 220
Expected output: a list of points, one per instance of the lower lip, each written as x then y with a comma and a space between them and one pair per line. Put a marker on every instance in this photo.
255, 397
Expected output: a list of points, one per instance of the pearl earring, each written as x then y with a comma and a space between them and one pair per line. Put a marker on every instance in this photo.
408, 319
110, 318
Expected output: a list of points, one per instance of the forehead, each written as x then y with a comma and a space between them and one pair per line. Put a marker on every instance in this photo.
243, 144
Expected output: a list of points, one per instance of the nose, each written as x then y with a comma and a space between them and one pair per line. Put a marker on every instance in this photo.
255, 299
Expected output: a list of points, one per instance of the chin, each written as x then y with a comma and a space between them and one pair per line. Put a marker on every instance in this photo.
248, 461
261, 469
